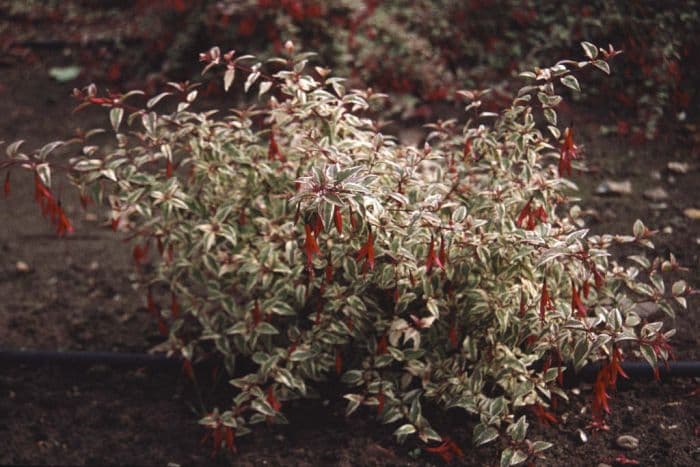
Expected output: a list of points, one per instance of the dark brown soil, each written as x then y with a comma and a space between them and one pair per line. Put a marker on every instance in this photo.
76, 295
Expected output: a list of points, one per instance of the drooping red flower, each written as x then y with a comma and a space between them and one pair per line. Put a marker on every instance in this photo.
310, 245
568, 152
272, 399
432, 259
467, 149
273, 150
367, 252
545, 301
448, 450
577, 305
529, 217
338, 219
380, 400
382, 345
338, 362
545, 417
51, 207
174, 306
257, 316
452, 335
230, 439
606, 379
524, 214
442, 254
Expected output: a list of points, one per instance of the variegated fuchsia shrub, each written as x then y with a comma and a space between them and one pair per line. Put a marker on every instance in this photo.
295, 237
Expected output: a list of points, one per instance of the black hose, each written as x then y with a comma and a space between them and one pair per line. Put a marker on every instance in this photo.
635, 370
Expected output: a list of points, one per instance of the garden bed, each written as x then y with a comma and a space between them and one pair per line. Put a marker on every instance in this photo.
74, 293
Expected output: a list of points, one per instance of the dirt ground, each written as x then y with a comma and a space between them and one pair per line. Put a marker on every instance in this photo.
74, 293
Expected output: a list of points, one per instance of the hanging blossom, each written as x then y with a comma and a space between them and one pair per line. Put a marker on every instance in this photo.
568, 152
606, 380
51, 207
367, 253
529, 217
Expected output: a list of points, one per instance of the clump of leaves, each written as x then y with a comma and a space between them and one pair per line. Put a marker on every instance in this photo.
299, 244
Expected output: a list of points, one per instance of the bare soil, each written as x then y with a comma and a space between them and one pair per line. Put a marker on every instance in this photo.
75, 294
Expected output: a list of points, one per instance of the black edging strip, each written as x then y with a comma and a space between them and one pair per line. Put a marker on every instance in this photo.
635, 370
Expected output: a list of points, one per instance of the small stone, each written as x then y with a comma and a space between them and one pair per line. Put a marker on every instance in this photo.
678, 167
94, 266
91, 217
582, 435
668, 230
655, 175
656, 194
611, 187
671, 180
627, 442
21, 266
658, 206
603, 464
692, 213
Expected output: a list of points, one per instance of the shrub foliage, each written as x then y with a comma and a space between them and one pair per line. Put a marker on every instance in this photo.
298, 243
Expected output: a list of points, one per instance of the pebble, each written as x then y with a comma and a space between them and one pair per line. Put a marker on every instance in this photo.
611, 187
656, 194
658, 206
655, 174
582, 435
603, 464
627, 442
21, 266
668, 230
678, 167
692, 213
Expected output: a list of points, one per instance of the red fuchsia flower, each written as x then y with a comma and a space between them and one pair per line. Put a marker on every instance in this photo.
380, 401
448, 450
338, 361
568, 152
606, 379
382, 345
452, 335
467, 149
139, 254
187, 368
174, 306
432, 259
545, 301
221, 434
256, 314
273, 151
353, 221
272, 400
528, 217
338, 219
367, 252
316, 224
624, 460
51, 207
545, 417
310, 245
442, 254
577, 305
